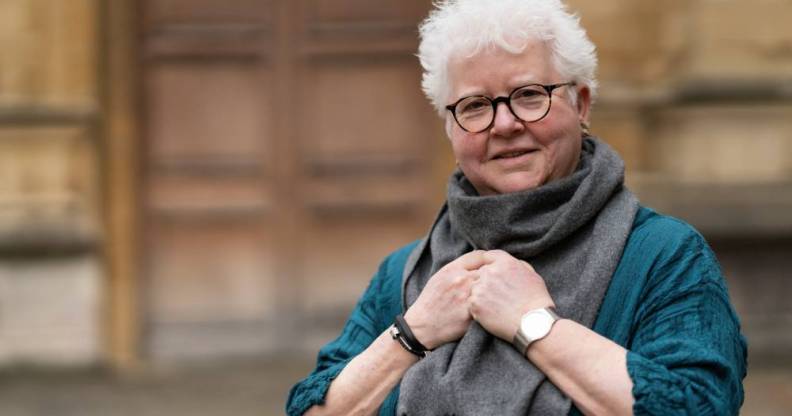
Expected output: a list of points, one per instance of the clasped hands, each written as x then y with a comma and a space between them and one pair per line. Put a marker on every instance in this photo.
491, 287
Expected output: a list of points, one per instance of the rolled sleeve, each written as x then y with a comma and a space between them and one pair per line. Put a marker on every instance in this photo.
687, 356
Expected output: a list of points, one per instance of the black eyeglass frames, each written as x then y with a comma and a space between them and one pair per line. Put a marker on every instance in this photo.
529, 103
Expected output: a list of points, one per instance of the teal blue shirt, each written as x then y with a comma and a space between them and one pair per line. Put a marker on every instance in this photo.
667, 304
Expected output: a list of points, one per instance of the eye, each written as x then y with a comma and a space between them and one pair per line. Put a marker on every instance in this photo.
474, 105
528, 93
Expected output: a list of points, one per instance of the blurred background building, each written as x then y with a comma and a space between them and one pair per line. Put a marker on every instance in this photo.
193, 181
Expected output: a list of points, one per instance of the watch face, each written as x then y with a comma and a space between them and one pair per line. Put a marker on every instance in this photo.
536, 324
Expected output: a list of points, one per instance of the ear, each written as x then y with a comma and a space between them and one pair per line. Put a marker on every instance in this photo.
449, 124
584, 103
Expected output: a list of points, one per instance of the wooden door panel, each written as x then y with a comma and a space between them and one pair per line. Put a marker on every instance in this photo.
207, 11
345, 251
211, 269
364, 148
362, 108
211, 195
208, 110
406, 12
360, 189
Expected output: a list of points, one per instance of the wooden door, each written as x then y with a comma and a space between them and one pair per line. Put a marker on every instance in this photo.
287, 149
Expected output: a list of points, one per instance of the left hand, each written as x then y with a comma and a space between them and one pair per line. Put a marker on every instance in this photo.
506, 289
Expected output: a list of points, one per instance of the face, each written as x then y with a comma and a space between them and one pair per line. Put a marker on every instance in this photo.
512, 155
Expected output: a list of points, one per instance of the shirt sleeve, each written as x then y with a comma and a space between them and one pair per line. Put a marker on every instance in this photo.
687, 356
371, 316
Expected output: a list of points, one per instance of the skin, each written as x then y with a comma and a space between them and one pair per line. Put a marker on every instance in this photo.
493, 287
575, 358
439, 315
553, 142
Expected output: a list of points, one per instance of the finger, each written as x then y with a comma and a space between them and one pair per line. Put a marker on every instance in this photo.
472, 260
471, 312
471, 280
463, 280
470, 290
494, 255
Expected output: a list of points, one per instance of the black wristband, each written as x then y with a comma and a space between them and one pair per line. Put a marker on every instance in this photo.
398, 337
409, 337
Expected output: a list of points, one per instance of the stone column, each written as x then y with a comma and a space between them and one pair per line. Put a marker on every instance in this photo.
50, 267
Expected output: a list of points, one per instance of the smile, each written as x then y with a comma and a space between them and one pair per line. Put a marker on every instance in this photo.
514, 154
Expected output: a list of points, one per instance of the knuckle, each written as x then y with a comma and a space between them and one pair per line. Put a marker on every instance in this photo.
499, 253
473, 297
458, 280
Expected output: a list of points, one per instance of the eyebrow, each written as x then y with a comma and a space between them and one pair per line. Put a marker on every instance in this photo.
520, 81
470, 93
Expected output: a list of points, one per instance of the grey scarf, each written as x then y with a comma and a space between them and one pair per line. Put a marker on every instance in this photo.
572, 231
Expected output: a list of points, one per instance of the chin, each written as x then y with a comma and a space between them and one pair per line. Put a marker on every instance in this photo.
518, 183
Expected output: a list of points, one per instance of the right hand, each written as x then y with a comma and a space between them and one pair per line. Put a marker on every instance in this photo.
441, 312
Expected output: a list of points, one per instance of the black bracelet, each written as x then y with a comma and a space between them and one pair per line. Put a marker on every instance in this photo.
398, 337
408, 337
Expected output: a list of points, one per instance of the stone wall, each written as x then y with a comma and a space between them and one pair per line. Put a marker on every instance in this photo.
697, 95
50, 267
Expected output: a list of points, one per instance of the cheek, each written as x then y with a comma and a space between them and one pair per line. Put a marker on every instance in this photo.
559, 139
466, 148
553, 133
458, 150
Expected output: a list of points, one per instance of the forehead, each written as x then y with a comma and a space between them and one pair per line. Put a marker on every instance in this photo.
494, 71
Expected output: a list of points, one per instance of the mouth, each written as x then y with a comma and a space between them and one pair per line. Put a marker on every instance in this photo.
512, 154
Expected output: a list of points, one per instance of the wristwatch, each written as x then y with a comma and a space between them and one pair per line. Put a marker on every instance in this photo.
534, 325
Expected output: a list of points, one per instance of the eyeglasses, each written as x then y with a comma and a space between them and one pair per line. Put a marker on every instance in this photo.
528, 103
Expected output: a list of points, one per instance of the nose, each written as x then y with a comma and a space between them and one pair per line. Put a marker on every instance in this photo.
505, 123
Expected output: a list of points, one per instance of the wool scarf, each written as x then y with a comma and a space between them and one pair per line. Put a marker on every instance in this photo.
572, 231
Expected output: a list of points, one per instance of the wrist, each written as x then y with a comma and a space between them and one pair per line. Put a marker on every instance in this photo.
421, 331
535, 325
552, 350
403, 334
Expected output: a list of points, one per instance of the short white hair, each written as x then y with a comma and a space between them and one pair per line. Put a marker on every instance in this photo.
457, 27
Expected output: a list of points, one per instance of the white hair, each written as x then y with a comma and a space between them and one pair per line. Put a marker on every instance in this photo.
458, 27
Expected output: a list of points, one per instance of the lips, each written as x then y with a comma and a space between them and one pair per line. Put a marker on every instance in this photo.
510, 154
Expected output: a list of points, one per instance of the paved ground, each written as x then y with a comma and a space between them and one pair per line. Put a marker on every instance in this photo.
238, 389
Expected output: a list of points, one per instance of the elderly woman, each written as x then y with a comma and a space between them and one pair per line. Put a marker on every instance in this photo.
543, 286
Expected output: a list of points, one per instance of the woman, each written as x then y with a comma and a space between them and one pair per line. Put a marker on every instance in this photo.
543, 287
